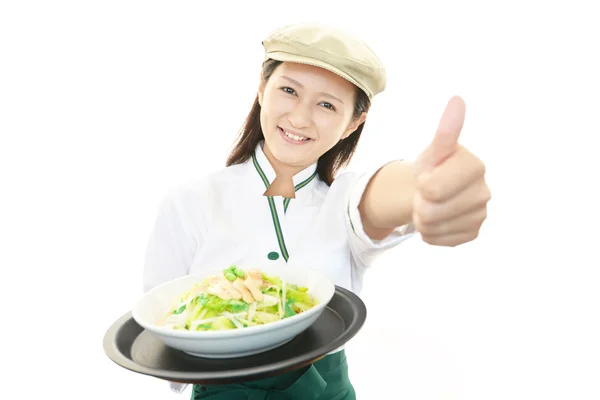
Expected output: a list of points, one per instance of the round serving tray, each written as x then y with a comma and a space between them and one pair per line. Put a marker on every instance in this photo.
132, 347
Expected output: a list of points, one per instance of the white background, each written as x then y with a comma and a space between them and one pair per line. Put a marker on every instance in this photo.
106, 105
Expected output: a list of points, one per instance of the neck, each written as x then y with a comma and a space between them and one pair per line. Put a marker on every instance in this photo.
283, 185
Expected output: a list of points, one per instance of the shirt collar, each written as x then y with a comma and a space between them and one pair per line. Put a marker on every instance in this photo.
303, 179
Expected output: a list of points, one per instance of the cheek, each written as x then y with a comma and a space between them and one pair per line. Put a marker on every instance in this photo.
330, 128
274, 108
266, 114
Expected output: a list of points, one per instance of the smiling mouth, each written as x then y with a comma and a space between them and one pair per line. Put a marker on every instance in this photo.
294, 136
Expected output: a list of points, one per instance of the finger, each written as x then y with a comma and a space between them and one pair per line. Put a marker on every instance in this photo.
451, 240
446, 137
470, 221
473, 197
445, 141
444, 182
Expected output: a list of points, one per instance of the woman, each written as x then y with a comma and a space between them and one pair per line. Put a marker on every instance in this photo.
281, 198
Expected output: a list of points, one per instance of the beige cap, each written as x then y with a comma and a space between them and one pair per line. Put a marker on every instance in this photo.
330, 48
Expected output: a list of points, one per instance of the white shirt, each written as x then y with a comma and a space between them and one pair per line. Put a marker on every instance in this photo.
226, 219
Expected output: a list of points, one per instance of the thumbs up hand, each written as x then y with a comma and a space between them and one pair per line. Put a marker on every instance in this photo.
451, 198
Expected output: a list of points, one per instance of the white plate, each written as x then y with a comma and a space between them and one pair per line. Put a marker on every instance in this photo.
232, 342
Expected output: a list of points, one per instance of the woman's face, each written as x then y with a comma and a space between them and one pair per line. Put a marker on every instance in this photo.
305, 111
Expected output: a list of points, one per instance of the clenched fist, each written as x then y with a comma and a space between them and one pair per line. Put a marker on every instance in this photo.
451, 198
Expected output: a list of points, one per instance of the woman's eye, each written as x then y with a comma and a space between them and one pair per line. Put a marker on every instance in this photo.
288, 90
328, 105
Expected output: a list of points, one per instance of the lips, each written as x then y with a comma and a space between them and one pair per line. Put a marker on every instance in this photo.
295, 136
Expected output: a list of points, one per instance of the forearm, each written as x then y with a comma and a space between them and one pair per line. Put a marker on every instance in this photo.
387, 202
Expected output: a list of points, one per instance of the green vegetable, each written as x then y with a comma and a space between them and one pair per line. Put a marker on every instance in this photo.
289, 312
200, 310
272, 280
230, 276
180, 309
240, 273
222, 323
303, 297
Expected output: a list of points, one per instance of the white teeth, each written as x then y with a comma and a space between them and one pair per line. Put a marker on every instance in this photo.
295, 137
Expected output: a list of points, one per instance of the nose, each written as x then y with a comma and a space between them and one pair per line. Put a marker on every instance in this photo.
299, 117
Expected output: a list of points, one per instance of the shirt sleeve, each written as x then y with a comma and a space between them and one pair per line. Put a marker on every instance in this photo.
364, 249
170, 250
171, 246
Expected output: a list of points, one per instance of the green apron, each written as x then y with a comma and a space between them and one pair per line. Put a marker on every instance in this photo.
327, 379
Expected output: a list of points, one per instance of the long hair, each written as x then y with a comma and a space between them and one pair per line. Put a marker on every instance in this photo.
328, 164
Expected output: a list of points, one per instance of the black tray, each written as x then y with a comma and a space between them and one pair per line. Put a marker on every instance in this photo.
132, 347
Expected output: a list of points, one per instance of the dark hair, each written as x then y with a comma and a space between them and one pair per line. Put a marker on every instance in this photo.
329, 163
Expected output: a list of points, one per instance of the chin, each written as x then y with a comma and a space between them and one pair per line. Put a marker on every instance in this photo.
289, 155
292, 158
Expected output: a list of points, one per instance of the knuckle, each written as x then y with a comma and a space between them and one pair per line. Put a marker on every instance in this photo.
425, 229
476, 164
426, 216
430, 189
477, 218
432, 192
472, 236
480, 166
483, 195
488, 195
483, 216
426, 213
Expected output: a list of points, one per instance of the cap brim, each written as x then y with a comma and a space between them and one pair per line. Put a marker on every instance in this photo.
281, 56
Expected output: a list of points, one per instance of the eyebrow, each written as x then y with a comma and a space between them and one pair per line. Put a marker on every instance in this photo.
295, 82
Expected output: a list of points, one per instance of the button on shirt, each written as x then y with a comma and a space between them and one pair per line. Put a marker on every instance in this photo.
226, 219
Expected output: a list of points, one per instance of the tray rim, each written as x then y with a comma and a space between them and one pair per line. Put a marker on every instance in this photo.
235, 376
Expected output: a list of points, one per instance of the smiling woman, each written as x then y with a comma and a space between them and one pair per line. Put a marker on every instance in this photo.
311, 103
334, 149
281, 199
